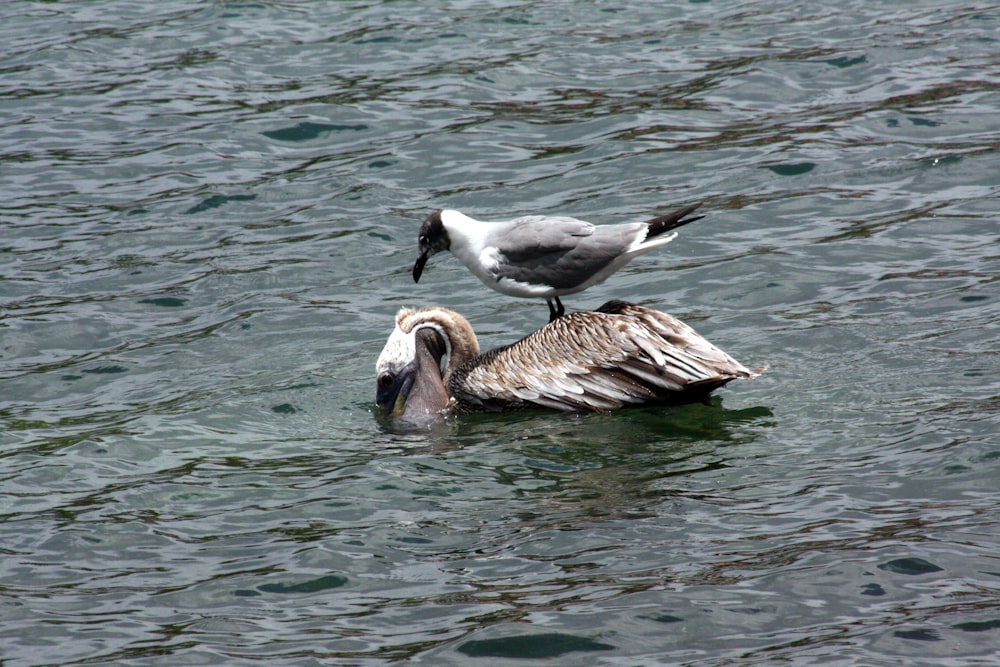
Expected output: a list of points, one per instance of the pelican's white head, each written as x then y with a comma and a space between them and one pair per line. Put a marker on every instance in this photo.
422, 351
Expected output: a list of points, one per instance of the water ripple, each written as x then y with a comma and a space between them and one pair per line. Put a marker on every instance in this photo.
208, 223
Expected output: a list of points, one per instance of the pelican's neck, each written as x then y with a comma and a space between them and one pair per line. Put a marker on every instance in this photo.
460, 339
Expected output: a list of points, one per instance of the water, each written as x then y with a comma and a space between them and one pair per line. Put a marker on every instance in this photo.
209, 217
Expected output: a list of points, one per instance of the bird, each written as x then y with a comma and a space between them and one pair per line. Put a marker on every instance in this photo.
618, 355
543, 256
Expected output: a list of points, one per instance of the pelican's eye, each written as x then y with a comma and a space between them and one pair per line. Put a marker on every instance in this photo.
423, 239
385, 379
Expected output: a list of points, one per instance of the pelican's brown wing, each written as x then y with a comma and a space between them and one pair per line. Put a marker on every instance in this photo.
621, 354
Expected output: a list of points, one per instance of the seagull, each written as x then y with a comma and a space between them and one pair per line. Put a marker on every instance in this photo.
621, 354
543, 256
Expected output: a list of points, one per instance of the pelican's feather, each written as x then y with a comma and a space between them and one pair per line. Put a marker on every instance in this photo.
618, 355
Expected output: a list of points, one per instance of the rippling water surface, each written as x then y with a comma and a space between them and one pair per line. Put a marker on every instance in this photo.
208, 219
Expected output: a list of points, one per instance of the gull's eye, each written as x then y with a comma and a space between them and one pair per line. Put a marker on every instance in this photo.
385, 379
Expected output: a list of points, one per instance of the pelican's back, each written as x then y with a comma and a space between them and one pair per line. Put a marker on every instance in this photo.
617, 355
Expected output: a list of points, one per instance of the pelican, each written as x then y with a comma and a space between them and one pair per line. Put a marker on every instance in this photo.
543, 256
621, 354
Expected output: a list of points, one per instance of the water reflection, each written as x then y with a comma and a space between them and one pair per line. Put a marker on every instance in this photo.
578, 467
632, 426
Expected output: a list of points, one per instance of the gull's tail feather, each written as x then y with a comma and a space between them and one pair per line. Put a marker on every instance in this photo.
665, 223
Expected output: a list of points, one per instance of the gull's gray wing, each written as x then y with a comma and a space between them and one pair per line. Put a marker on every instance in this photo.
558, 251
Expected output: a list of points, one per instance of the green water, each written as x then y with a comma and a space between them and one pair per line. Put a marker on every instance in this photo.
208, 222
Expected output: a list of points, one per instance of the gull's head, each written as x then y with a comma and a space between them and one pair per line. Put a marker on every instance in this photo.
433, 238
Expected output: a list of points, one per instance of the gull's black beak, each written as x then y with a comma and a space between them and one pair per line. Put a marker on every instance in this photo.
418, 268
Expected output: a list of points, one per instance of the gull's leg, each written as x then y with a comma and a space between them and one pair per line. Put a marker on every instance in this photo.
555, 311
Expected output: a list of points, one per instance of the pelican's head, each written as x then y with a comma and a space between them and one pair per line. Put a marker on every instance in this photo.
413, 368
433, 239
